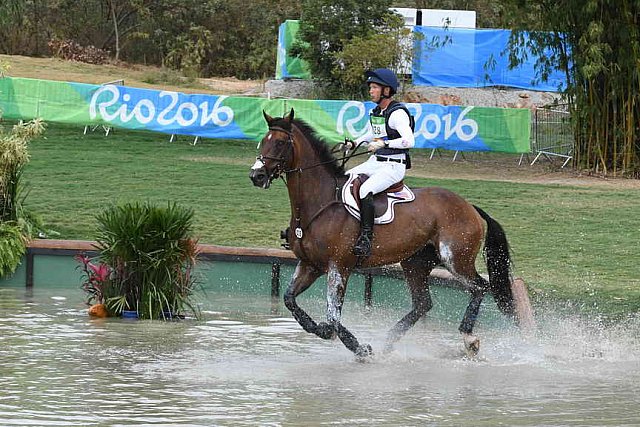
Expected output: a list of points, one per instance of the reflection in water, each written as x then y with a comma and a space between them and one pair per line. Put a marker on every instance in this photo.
248, 363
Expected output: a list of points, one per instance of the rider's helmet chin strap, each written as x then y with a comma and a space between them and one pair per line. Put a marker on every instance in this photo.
383, 96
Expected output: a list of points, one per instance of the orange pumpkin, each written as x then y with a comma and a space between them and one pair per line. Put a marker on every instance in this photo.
98, 310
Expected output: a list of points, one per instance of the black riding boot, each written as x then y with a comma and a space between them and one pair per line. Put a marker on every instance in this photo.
363, 245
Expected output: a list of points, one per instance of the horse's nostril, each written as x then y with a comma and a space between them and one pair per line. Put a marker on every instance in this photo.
257, 177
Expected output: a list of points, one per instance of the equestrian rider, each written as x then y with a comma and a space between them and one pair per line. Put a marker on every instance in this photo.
389, 135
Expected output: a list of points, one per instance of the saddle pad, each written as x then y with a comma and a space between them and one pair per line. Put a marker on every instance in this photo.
351, 204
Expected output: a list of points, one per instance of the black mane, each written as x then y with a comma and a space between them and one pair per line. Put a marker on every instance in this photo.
320, 146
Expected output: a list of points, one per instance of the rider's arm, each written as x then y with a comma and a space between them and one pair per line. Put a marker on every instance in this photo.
400, 121
366, 136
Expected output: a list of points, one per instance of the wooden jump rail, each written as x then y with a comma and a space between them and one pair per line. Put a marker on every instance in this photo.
275, 257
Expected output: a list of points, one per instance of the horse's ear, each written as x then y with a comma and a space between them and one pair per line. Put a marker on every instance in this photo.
267, 117
289, 117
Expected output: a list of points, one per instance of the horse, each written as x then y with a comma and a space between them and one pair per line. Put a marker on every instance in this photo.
438, 228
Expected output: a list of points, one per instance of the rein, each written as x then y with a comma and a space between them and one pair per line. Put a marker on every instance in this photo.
281, 172
344, 160
281, 159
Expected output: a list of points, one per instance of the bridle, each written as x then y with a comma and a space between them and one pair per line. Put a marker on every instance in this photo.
280, 171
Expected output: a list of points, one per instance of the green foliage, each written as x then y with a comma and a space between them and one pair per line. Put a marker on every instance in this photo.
597, 44
16, 224
328, 27
12, 247
151, 253
201, 38
388, 48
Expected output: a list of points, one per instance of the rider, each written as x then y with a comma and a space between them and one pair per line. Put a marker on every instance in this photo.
389, 136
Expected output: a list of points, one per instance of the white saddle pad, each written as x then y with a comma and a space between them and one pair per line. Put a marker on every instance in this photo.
403, 196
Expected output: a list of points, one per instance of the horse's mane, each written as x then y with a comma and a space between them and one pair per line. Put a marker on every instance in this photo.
320, 146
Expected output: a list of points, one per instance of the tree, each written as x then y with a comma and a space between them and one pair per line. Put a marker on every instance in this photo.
597, 44
327, 26
391, 47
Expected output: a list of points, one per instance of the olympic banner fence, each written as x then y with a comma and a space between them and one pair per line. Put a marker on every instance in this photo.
231, 117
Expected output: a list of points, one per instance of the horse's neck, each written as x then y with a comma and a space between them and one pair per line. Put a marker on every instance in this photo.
313, 185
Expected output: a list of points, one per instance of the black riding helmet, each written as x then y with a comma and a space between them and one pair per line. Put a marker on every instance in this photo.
385, 77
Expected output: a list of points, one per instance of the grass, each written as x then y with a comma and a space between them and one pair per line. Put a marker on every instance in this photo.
576, 243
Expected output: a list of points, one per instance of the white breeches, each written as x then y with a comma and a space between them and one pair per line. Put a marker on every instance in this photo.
382, 175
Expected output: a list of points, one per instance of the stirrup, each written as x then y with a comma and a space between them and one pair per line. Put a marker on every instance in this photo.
362, 246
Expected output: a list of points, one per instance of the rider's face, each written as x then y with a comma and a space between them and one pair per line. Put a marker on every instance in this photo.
375, 92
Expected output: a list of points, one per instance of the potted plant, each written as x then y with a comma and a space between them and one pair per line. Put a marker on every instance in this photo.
151, 254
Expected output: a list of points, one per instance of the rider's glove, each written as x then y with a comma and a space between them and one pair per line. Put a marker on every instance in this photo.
348, 144
376, 144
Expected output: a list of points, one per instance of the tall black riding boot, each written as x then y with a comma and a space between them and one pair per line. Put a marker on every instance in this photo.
363, 245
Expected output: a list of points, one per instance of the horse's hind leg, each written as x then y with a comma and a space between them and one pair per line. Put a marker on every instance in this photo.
479, 287
416, 269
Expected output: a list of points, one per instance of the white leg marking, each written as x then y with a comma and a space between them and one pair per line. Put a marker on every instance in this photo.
334, 280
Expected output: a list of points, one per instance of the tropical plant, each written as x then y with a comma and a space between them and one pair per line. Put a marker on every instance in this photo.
12, 247
17, 225
97, 279
151, 253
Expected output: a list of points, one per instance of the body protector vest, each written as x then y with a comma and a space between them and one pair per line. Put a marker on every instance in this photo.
380, 125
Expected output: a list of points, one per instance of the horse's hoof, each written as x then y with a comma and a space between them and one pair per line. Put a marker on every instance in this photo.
363, 352
471, 345
326, 331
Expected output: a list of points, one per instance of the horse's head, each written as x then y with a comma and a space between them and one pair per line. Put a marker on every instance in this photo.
276, 151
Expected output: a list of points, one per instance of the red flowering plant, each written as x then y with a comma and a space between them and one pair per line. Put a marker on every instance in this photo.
96, 279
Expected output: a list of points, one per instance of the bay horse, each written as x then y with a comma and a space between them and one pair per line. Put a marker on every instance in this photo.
437, 228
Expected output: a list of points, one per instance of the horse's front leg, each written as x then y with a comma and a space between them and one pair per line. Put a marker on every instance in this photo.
303, 277
336, 288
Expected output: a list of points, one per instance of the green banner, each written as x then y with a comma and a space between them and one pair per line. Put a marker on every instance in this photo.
213, 116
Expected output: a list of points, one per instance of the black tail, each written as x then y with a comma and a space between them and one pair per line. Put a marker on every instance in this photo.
496, 249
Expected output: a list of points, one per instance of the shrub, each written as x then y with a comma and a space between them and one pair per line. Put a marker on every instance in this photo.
73, 51
12, 247
151, 253
17, 225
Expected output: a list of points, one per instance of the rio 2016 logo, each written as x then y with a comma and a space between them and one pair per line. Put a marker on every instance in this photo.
112, 106
430, 126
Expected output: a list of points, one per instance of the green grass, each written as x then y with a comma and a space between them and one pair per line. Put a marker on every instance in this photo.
569, 243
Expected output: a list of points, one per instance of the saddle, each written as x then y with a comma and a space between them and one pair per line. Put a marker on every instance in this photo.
383, 202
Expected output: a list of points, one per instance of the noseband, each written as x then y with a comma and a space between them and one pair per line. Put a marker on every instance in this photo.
280, 159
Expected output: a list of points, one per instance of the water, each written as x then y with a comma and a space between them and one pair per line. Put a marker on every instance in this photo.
248, 363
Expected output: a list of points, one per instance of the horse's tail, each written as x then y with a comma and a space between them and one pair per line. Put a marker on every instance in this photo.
496, 249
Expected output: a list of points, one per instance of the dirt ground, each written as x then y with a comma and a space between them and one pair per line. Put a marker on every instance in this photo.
497, 167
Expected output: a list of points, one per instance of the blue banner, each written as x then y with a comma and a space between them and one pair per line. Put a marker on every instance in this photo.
460, 57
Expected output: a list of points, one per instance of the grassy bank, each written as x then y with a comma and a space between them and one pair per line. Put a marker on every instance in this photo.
570, 242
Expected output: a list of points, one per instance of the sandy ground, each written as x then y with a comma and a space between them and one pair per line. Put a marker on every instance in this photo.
506, 168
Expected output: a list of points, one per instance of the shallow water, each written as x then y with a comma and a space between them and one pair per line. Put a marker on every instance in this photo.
248, 363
